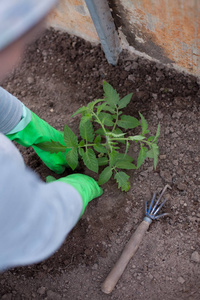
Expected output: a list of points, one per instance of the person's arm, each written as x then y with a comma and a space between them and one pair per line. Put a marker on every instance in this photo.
11, 110
35, 217
23, 126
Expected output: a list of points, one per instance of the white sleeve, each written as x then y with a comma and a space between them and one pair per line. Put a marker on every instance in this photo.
35, 217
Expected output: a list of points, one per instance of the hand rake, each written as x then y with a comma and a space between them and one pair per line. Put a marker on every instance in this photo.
135, 240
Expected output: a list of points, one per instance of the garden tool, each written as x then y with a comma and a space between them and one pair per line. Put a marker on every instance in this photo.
135, 240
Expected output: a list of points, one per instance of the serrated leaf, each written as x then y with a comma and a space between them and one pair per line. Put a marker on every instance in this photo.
122, 180
102, 161
141, 156
144, 124
81, 151
109, 108
100, 131
151, 138
86, 131
90, 160
155, 150
70, 138
113, 157
97, 140
125, 165
111, 95
86, 118
82, 143
106, 119
101, 107
125, 101
97, 145
91, 105
52, 147
80, 111
128, 122
105, 175
136, 138
72, 158
124, 157
150, 154
50, 179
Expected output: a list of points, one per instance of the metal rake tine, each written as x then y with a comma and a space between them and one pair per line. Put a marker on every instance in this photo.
146, 207
152, 201
162, 215
161, 205
159, 198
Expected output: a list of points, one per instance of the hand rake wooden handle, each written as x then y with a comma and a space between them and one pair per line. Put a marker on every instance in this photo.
128, 252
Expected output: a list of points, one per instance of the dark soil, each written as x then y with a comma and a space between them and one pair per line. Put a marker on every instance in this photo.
59, 74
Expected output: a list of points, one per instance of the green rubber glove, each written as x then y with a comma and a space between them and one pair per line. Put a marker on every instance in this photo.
39, 131
85, 185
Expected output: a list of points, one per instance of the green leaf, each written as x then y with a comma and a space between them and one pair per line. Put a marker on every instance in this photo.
155, 150
100, 131
98, 147
80, 111
105, 175
82, 143
86, 131
136, 138
101, 107
70, 138
91, 105
125, 101
86, 118
128, 122
150, 154
90, 160
109, 108
52, 147
125, 165
81, 151
111, 95
116, 157
122, 180
97, 140
102, 161
144, 124
151, 138
141, 156
72, 158
106, 119
113, 157
50, 179
124, 157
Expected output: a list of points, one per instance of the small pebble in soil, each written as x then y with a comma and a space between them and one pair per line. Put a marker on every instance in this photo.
41, 290
181, 280
195, 257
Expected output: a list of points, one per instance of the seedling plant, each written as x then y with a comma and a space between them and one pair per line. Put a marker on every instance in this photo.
103, 129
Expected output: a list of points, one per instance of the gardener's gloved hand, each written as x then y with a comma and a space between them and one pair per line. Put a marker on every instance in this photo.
85, 185
38, 131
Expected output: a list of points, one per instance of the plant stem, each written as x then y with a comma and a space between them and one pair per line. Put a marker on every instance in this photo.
117, 112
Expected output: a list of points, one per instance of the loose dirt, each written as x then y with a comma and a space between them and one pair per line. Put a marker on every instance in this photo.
59, 74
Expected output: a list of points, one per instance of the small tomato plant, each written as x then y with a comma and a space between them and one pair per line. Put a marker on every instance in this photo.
101, 147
